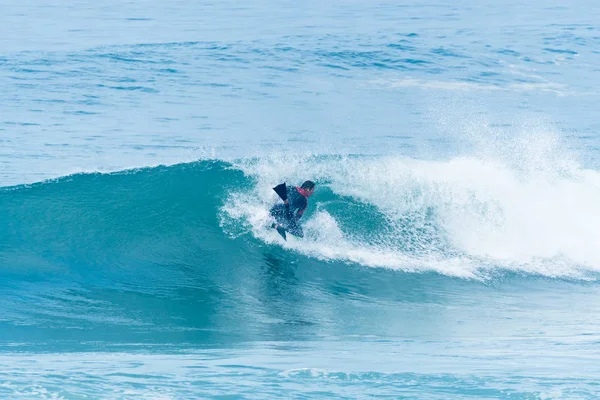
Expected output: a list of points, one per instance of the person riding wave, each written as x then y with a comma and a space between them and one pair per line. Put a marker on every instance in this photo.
288, 214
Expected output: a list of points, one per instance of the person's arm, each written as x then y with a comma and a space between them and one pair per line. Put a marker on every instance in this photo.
302, 203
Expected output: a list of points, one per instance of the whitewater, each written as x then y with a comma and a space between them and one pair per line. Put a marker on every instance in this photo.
451, 246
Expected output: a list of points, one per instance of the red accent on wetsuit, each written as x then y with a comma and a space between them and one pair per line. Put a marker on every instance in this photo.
303, 193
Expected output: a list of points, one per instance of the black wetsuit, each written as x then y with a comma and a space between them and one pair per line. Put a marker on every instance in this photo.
297, 205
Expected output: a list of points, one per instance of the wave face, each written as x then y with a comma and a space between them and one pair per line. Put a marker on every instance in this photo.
464, 217
148, 214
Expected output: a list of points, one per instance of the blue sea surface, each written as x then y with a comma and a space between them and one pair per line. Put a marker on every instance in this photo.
450, 250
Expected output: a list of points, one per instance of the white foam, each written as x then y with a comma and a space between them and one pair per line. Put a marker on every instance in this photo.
523, 204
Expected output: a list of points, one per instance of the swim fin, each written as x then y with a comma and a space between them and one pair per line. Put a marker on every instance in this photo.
281, 231
281, 190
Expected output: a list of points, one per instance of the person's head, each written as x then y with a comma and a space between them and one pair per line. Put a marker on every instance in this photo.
309, 187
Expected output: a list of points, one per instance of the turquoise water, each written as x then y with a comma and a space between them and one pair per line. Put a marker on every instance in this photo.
451, 245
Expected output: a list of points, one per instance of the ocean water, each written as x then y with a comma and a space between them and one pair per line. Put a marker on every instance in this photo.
452, 245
